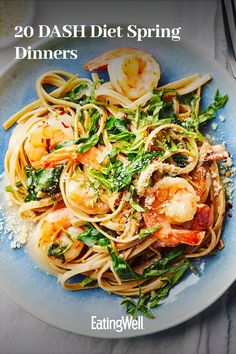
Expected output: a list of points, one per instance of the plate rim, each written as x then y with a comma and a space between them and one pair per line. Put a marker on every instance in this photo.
7, 69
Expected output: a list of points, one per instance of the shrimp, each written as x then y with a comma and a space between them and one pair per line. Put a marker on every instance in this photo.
172, 204
175, 198
102, 60
57, 237
69, 153
167, 236
202, 220
82, 192
132, 73
201, 182
44, 136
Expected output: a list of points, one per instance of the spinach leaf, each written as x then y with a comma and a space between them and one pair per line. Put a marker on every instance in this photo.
120, 266
181, 160
56, 250
42, 180
92, 236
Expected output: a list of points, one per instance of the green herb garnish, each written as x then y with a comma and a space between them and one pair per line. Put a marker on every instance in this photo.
87, 282
88, 144
92, 236
56, 250
120, 266
9, 189
78, 93
146, 232
210, 111
42, 180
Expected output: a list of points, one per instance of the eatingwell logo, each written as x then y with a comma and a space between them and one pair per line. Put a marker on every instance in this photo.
119, 325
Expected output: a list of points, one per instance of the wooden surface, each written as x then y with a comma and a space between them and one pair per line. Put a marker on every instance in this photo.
213, 331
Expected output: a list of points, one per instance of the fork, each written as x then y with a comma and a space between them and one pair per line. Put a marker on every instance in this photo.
229, 18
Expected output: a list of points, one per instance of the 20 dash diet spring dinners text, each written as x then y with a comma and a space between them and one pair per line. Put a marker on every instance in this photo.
132, 31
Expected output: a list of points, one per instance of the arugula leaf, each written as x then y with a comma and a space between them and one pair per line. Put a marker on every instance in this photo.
155, 104
92, 236
125, 136
42, 180
117, 176
87, 282
9, 189
92, 93
159, 294
116, 124
148, 301
120, 266
210, 111
101, 178
123, 175
78, 93
146, 232
88, 144
94, 123
58, 251
157, 109
117, 130
133, 307
67, 143
162, 265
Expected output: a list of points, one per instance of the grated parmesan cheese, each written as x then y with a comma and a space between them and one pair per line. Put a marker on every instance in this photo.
214, 126
222, 118
16, 230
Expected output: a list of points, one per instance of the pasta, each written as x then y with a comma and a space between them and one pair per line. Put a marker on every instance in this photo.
122, 186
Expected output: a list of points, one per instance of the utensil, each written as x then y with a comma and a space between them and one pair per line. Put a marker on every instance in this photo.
229, 18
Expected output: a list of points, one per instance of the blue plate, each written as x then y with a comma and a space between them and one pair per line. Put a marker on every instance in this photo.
40, 294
